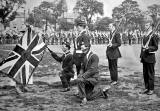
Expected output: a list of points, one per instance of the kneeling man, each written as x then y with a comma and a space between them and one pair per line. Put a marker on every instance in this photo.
88, 78
67, 65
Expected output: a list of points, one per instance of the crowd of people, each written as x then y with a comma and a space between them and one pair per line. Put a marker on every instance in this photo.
87, 62
12, 35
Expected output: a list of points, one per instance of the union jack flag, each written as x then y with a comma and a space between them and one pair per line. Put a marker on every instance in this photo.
24, 58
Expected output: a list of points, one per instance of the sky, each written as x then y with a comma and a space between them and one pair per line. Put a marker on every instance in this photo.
108, 4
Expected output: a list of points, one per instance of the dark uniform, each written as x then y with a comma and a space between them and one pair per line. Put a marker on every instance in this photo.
124, 38
113, 54
139, 37
130, 37
88, 87
148, 59
81, 39
67, 67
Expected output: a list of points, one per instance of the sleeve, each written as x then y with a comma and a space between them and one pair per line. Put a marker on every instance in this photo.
55, 56
93, 69
118, 41
154, 46
69, 63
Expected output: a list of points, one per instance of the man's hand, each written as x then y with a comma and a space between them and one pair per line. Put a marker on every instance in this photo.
109, 45
60, 74
145, 48
81, 72
80, 79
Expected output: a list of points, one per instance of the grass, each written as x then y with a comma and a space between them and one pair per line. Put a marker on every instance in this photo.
45, 95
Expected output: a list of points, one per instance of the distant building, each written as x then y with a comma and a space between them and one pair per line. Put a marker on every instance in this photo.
70, 17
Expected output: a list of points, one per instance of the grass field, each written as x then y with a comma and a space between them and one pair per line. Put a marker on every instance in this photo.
44, 95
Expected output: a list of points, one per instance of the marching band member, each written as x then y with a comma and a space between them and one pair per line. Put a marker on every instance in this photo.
113, 53
149, 46
80, 40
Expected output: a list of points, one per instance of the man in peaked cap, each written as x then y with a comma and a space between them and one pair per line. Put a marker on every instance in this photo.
82, 38
113, 53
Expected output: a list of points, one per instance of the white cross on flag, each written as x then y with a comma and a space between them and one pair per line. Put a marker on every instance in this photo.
24, 58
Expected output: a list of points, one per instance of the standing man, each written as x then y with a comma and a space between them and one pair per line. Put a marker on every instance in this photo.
89, 77
130, 37
81, 39
149, 46
113, 53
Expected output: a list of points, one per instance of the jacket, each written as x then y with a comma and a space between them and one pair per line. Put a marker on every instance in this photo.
113, 52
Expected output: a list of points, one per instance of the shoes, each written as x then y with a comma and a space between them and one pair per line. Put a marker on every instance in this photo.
150, 92
84, 101
105, 94
105, 91
113, 82
78, 95
65, 90
145, 91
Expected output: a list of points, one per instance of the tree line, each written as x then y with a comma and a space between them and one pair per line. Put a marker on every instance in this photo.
53, 13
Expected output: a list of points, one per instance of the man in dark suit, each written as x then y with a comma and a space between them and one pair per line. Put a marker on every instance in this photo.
67, 65
82, 38
88, 78
113, 53
149, 46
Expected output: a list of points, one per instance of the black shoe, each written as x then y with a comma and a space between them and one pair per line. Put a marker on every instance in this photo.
150, 92
84, 102
145, 91
77, 95
105, 95
105, 91
65, 90
114, 83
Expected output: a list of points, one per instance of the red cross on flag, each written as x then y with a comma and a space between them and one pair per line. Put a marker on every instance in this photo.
24, 58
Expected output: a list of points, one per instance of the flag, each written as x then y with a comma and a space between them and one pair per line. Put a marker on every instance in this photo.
24, 57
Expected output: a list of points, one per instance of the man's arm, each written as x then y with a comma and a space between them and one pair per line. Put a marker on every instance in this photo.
117, 41
154, 43
55, 56
69, 62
